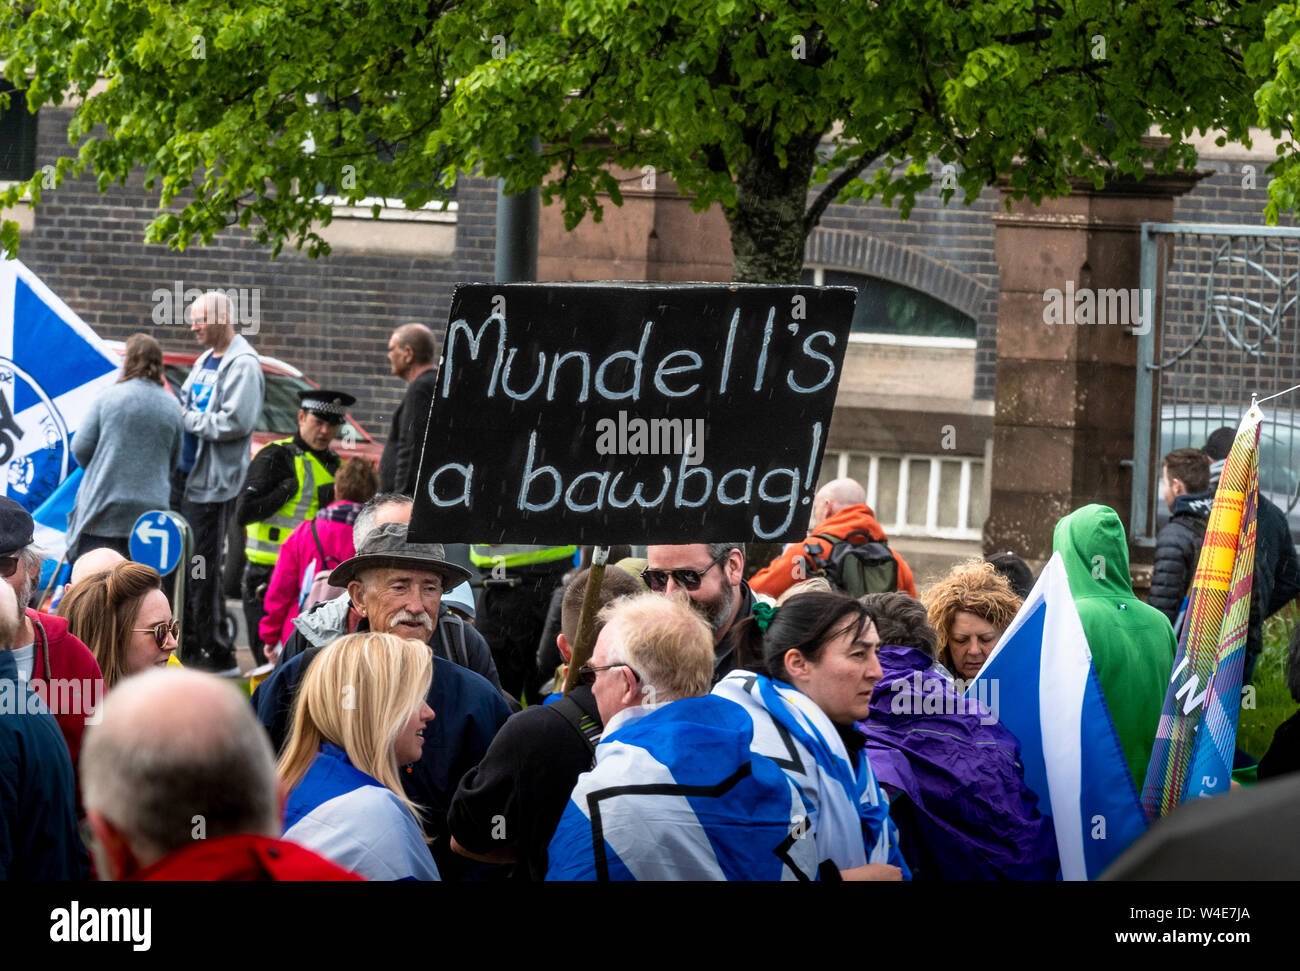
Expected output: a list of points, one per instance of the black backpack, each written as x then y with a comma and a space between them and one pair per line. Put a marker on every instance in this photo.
855, 564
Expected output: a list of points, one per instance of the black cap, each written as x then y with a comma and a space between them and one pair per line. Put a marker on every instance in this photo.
16, 526
326, 405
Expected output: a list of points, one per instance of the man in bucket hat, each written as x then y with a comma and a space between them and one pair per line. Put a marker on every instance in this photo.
396, 587
454, 640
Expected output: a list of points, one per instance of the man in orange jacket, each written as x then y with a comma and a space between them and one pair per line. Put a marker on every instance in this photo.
839, 508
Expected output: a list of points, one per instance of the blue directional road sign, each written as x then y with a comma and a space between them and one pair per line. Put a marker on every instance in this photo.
156, 541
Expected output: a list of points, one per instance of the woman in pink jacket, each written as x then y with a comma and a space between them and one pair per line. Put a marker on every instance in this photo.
318, 544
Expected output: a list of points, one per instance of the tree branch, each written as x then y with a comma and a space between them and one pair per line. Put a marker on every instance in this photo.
833, 188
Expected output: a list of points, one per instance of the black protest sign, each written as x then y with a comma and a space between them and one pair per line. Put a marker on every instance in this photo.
630, 413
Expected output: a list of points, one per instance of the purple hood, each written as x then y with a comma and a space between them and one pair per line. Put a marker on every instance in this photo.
954, 779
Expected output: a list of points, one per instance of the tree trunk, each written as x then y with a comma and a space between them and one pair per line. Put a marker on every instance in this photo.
767, 238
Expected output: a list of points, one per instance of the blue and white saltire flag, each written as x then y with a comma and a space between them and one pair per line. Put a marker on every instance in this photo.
1049, 697
848, 812
51, 522
677, 794
52, 367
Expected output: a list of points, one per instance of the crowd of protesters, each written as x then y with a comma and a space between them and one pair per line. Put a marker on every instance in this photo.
779, 720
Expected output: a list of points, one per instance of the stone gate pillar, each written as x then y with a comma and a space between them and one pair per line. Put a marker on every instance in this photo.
1063, 418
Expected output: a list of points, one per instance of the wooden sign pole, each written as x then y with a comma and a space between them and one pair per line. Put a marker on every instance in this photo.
584, 645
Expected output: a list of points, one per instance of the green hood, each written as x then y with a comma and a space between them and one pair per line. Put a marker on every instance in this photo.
1092, 543
1132, 643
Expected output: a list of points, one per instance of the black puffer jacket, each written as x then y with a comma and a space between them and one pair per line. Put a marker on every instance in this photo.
1277, 568
1177, 549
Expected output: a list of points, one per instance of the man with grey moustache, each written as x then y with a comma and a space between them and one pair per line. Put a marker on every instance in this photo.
456, 640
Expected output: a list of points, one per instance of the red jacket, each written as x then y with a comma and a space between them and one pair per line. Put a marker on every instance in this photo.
78, 682
244, 858
780, 575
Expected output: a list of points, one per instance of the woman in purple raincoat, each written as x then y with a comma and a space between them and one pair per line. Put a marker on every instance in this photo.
954, 778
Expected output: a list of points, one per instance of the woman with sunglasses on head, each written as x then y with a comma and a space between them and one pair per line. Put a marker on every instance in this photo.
123, 616
359, 716
812, 669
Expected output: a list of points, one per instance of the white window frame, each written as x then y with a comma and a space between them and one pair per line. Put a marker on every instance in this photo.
964, 530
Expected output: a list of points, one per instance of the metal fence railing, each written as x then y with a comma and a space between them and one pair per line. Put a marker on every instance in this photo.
1225, 303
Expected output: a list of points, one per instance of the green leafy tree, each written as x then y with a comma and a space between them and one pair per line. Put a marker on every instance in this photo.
1278, 98
238, 111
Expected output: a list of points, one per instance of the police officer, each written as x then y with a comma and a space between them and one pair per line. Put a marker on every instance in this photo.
287, 482
517, 585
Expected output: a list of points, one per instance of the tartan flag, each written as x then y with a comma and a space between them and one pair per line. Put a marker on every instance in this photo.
1198, 728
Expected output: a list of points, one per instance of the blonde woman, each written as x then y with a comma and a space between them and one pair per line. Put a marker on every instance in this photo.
360, 716
969, 608
123, 616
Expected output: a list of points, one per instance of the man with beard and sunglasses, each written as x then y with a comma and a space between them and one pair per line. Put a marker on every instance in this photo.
712, 576
59, 667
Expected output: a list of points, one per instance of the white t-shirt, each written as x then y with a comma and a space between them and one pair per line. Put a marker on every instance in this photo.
25, 658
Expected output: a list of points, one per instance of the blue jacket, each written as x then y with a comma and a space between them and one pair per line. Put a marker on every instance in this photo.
354, 820
38, 822
468, 711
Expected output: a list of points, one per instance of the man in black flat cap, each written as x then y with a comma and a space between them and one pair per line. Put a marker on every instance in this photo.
288, 482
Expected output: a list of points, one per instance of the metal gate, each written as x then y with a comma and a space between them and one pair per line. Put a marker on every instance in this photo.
1226, 307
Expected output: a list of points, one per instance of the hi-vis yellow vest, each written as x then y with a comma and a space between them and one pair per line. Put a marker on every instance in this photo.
264, 539
485, 557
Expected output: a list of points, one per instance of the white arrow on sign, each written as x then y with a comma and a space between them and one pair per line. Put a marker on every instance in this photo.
148, 532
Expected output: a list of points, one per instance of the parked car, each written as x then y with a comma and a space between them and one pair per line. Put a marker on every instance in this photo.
279, 419
1188, 426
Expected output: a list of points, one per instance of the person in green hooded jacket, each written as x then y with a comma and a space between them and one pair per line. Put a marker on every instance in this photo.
1132, 643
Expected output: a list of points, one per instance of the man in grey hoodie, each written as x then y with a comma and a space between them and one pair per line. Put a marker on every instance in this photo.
222, 398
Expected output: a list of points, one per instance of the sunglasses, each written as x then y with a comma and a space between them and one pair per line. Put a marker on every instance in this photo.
657, 580
587, 673
160, 631
9, 565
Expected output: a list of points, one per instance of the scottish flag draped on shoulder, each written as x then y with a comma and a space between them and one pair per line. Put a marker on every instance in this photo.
848, 812
677, 794
52, 367
1049, 697
1198, 727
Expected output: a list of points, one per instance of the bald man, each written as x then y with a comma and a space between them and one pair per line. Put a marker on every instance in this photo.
99, 560
411, 356
180, 784
839, 509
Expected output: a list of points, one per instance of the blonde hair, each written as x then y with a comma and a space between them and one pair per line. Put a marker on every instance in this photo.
665, 642
975, 587
359, 693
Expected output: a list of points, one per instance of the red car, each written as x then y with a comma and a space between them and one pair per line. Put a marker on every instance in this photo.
279, 419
